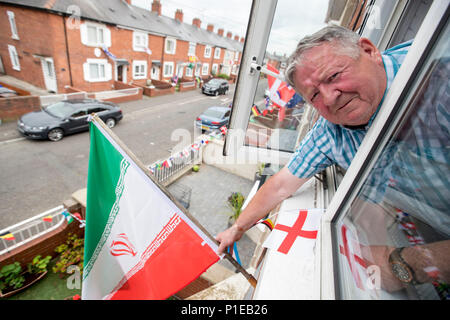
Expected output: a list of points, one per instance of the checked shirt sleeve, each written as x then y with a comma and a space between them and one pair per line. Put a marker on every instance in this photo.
311, 156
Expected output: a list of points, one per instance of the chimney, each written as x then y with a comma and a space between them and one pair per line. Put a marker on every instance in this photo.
128, 1
236, 38
210, 27
242, 39
229, 34
179, 15
220, 32
156, 7
196, 22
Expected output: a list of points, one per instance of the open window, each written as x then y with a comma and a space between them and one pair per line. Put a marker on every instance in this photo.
258, 128
389, 219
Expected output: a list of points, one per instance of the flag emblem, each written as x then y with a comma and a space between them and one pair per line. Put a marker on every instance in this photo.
121, 245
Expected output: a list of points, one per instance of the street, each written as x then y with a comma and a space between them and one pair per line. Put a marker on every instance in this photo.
39, 175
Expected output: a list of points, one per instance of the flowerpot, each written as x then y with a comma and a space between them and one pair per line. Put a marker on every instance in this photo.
30, 279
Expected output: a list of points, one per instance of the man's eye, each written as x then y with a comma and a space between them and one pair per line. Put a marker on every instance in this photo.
313, 96
333, 76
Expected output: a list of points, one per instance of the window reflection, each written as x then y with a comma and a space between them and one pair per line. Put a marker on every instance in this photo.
394, 240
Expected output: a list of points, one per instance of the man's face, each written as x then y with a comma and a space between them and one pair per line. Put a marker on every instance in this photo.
344, 90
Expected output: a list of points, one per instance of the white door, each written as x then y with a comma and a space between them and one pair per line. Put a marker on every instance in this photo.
48, 69
155, 72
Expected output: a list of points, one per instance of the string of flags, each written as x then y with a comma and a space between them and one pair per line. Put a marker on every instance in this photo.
68, 216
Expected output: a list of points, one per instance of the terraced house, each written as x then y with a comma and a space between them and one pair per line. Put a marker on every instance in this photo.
91, 45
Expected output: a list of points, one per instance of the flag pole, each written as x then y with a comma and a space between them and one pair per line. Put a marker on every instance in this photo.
95, 118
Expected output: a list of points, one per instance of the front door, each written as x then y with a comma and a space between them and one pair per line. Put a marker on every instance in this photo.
48, 70
155, 72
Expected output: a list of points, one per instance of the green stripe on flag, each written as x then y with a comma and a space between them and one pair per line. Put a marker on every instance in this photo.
106, 171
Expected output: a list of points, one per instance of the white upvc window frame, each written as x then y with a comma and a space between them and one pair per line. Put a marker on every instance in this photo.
217, 52
207, 52
215, 68
189, 72
100, 29
103, 64
376, 138
15, 63
171, 65
140, 41
166, 45
13, 25
192, 47
142, 73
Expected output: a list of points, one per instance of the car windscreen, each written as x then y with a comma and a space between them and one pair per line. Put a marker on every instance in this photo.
215, 82
213, 113
59, 110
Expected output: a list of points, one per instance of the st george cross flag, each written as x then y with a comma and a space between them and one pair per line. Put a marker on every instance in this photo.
138, 243
280, 92
295, 232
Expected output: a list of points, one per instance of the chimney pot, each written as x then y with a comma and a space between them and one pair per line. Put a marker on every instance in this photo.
156, 7
210, 27
179, 15
220, 32
196, 22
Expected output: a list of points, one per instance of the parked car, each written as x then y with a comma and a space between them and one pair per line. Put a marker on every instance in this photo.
6, 92
215, 87
66, 117
213, 118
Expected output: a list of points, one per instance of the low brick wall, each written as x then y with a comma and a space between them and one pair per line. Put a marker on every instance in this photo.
187, 86
11, 109
158, 88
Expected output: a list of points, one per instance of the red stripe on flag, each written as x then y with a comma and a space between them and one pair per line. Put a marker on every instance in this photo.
176, 262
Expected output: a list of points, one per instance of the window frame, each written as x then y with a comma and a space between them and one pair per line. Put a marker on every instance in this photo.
376, 138
207, 52
140, 75
217, 52
15, 63
168, 63
107, 69
13, 25
174, 49
140, 35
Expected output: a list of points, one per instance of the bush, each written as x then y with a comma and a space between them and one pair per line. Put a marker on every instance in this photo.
223, 76
11, 276
236, 200
71, 253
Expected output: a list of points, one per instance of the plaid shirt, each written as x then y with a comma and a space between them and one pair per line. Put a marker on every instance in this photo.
328, 143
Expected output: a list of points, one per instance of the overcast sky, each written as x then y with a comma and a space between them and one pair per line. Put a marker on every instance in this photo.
293, 18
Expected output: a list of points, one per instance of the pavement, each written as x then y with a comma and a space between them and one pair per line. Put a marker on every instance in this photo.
210, 189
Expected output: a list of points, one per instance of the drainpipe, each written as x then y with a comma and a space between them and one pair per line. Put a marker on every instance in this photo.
67, 49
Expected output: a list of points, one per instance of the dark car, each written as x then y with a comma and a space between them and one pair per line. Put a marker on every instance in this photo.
213, 118
215, 87
66, 117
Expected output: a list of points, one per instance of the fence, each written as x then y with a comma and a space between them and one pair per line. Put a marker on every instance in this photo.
101, 95
31, 229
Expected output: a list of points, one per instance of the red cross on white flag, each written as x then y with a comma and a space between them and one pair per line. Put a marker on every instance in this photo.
295, 232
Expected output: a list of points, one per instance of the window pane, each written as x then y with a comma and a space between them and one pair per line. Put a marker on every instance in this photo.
93, 71
405, 200
271, 126
92, 34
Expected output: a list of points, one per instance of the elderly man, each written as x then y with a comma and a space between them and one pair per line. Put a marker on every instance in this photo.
345, 78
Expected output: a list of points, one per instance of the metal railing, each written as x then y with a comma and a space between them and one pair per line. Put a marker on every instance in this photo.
32, 228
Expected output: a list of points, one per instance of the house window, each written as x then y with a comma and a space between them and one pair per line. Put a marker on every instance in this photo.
205, 69
191, 51
207, 53
170, 46
217, 53
95, 35
140, 41
14, 57
12, 24
236, 56
97, 70
139, 70
168, 69
197, 70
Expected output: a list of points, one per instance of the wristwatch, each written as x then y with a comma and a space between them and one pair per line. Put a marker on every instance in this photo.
401, 269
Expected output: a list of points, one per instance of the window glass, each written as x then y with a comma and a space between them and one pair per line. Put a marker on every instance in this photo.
274, 124
393, 241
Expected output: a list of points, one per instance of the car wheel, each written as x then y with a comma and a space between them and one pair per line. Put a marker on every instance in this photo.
55, 134
216, 93
111, 122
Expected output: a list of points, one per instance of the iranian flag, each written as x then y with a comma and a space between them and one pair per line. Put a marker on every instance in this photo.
138, 243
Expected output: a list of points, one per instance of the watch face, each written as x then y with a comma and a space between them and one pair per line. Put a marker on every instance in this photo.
401, 272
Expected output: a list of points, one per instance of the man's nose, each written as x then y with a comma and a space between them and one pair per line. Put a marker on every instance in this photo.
329, 94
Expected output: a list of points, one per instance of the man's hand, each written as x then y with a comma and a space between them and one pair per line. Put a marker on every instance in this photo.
228, 237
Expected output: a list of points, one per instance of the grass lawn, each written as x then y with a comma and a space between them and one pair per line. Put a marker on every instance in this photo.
51, 287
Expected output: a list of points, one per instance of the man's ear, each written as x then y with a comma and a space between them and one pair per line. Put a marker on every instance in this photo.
370, 49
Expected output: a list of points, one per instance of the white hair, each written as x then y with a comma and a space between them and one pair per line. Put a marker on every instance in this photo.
345, 40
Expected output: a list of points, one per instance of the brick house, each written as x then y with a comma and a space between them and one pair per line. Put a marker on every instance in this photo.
88, 46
